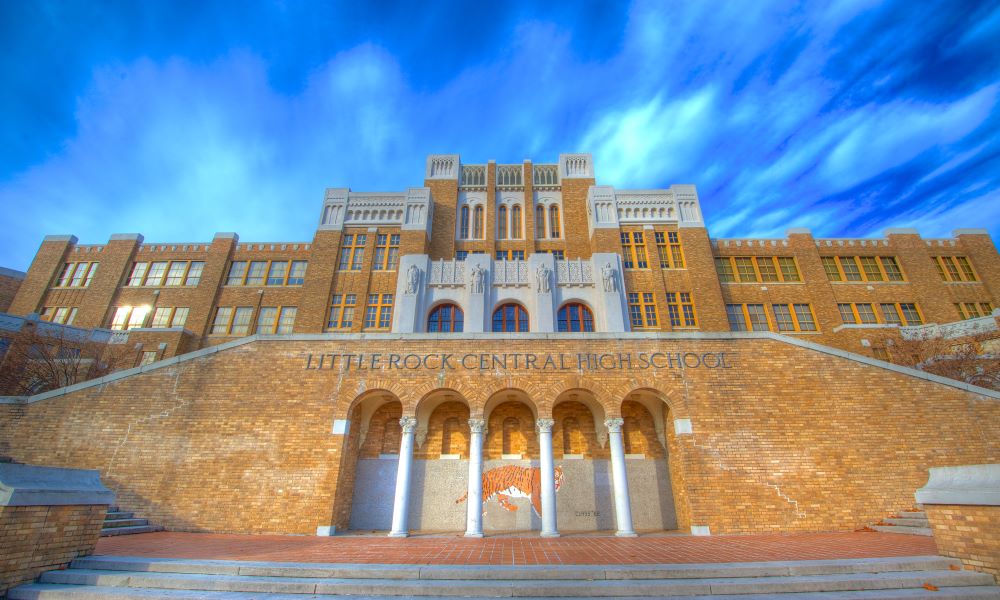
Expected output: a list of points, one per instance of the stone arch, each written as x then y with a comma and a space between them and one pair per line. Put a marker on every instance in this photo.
589, 399
649, 386
576, 381
510, 415
364, 408
532, 395
375, 386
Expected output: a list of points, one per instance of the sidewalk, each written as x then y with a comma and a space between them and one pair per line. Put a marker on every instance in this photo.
578, 550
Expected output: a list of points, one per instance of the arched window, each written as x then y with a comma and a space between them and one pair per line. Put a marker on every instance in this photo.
575, 317
463, 231
554, 222
478, 223
515, 222
510, 317
539, 221
502, 223
446, 318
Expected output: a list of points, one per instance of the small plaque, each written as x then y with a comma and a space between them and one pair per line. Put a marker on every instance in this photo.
341, 426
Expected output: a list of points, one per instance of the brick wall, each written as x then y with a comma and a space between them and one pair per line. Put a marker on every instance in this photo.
788, 439
968, 533
9, 284
34, 539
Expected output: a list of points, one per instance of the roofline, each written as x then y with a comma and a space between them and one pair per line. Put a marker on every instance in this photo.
323, 337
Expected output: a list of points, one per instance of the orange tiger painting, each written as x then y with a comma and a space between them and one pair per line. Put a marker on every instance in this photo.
512, 481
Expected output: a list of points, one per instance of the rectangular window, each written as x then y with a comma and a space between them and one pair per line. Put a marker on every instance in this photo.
175, 274
634, 250
386, 252
849, 266
866, 314
138, 317
352, 251
241, 320
255, 274
890, 314
852, 314
783, 317
378, 313
66, 275
910, 313
680, 309
725, 270
194, 273
558, 255
955, 268
789, 272
744, 268
891, 268
147, 358
156, 273
737, 322
223, 317
870, 266
237, 272
847, 314
138, 273
461, 254
804, 317
765, 264
642, 310
341, 312
286, 320
277, 273
668, 250
180, 317
76, 275
758, 318
161, 317
120, 319
267, 319
297, 274
830, 266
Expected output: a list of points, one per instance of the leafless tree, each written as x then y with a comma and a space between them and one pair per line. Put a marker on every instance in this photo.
971, 359
40, 357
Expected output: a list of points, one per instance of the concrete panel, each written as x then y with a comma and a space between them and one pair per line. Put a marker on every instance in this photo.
374, 489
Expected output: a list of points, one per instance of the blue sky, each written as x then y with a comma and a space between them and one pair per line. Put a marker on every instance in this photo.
179, 119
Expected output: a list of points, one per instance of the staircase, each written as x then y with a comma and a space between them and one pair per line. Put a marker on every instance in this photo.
911, 521
130, 578
117, 522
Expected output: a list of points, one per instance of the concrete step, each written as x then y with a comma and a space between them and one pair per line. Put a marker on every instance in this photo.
129, 530
527, 572
124, 523
478, 588
908, 522
900, 529
46, 591
112, 515
912, 514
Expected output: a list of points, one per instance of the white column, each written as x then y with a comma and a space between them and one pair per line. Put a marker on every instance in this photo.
619, 476
474, 517
548, 476
401, 505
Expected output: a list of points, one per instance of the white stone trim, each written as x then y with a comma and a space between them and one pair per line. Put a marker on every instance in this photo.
977, 485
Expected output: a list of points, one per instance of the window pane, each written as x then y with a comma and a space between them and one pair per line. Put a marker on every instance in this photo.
175, 276
255, 276
890, 314
891, 268
161, 318
725, 269
237, 271
180, 317
138, 317
297, 275
222, 316
805, 318
744, 266
872, 272
846, 313
789, 272
287, 320
735, 314
276, 275
783, 317
241, 320
194, 273
766, 266
267, 319
850, 267
758, 319
138, 272
830, 266
121, 318
866, 314
157, 271
910, 314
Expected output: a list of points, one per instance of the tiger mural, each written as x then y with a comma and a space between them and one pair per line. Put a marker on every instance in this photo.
512, 481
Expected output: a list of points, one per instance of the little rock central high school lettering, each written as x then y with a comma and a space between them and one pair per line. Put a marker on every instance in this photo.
520, 361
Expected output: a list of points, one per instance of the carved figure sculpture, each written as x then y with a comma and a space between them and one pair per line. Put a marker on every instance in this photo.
608, 275
412, 279
478, 274
542, 278
512, 481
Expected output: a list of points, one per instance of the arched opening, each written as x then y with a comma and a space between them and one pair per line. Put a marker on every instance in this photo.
463, 230
371, 453
502, 223
539, 222
510, 317
478, 223
515, 222
554, 229
446, 318
575, 316
440, 468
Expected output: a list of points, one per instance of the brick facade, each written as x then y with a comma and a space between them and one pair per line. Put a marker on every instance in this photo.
10, 281
968, 533
35, 539
785, 437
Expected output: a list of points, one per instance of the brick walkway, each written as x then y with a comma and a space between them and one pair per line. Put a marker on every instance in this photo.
456, 550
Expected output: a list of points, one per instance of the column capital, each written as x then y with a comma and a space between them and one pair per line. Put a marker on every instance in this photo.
614, 425
544, 425
409, 424
477, 425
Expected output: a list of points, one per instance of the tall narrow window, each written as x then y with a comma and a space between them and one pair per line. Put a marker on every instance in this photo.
514, 443
573, 441
463, 229
352, 251
378, 313
341, 312
451, 442
478, 223
502, 223
386, 252
554, 230
634, 250
539, 222
515, 222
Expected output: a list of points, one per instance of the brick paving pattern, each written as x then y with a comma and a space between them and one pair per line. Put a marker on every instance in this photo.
579, 550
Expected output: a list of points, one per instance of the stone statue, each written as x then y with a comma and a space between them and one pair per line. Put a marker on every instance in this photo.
542, 278
608, 275
477, 279
412, 279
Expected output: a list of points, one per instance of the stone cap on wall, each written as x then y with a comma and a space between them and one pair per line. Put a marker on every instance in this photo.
31, 485
970, 484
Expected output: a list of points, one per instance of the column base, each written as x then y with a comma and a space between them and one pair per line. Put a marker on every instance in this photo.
549, 534
626, 534
473, 534
399, 534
